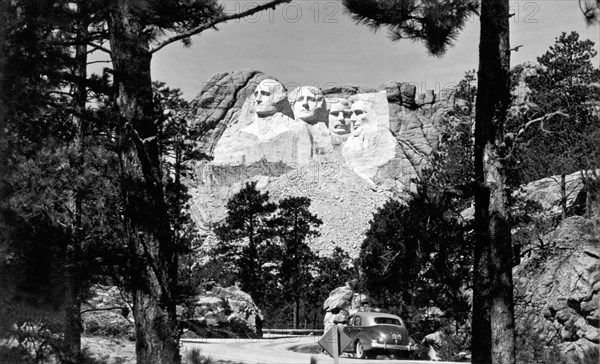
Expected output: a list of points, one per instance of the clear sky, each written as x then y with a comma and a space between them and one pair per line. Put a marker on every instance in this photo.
309, 42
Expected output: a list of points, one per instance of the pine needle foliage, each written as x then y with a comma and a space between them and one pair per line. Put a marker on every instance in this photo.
436, 23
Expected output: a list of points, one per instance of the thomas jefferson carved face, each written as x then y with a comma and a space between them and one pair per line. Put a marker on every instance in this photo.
339, 117
309, 105
268, 96
360, 117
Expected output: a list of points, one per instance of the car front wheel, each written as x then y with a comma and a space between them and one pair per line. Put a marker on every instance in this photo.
360, 351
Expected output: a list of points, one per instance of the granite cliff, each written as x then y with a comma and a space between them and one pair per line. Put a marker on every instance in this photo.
256, 130
557, 294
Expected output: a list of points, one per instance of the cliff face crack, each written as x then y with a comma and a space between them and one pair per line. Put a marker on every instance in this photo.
230, 105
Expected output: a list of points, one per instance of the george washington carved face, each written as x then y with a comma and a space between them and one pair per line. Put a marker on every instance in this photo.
268, 97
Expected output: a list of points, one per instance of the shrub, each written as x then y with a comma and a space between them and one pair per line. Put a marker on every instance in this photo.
195, 356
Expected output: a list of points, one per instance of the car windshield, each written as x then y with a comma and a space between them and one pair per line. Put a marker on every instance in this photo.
387, 320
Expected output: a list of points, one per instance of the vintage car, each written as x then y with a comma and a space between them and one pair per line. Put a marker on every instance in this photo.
376, 333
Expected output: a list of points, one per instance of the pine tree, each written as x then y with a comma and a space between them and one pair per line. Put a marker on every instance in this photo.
294, 224
245, 233
331, 272
591, 10
44, 76
565, 137
383, 252
416, 254
135, 30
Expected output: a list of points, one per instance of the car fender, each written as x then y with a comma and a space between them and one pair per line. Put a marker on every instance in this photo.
365, 340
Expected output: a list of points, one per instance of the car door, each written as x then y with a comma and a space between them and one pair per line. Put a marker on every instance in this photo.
353, 328
356, 325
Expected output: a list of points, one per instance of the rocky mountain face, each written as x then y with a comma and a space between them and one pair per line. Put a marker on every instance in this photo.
256, 130
547, 192
557, 293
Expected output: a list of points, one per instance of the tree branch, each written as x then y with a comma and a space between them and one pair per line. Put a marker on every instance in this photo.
541, 121
94, 62
199, 29
390, 262
58, 92
143, 156
98, 47
104, 309
514, 138
70, 77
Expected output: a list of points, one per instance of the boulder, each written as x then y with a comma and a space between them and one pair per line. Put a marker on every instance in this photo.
220, 312
338, 305
223, 312
546, 191
107, 312
557, 291
339, 299
429, 97
408, 92
446, 94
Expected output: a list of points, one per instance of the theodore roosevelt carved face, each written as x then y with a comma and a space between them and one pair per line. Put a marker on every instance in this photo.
339, 117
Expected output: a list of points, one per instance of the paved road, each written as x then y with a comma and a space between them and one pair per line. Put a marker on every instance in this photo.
273, 351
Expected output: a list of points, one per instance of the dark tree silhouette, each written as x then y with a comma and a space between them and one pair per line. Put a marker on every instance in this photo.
295, 223
245, 232
590, 10
558, 132
135, 29
435, 23
45, 126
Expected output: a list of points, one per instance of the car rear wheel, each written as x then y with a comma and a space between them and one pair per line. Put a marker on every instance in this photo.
360, 351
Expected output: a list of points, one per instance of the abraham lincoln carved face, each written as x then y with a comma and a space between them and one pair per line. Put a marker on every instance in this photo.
360, 117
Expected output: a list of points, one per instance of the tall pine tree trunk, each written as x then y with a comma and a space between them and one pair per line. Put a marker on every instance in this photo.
493, 312
296, 311
155, 279
73, 287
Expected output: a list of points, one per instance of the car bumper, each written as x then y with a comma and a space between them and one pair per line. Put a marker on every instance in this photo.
385, 346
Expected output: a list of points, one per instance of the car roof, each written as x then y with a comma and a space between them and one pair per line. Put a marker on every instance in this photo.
375, 314
368, 318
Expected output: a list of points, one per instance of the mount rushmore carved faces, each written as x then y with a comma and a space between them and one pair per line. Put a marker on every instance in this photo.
339, 117
309, 105
268, 97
